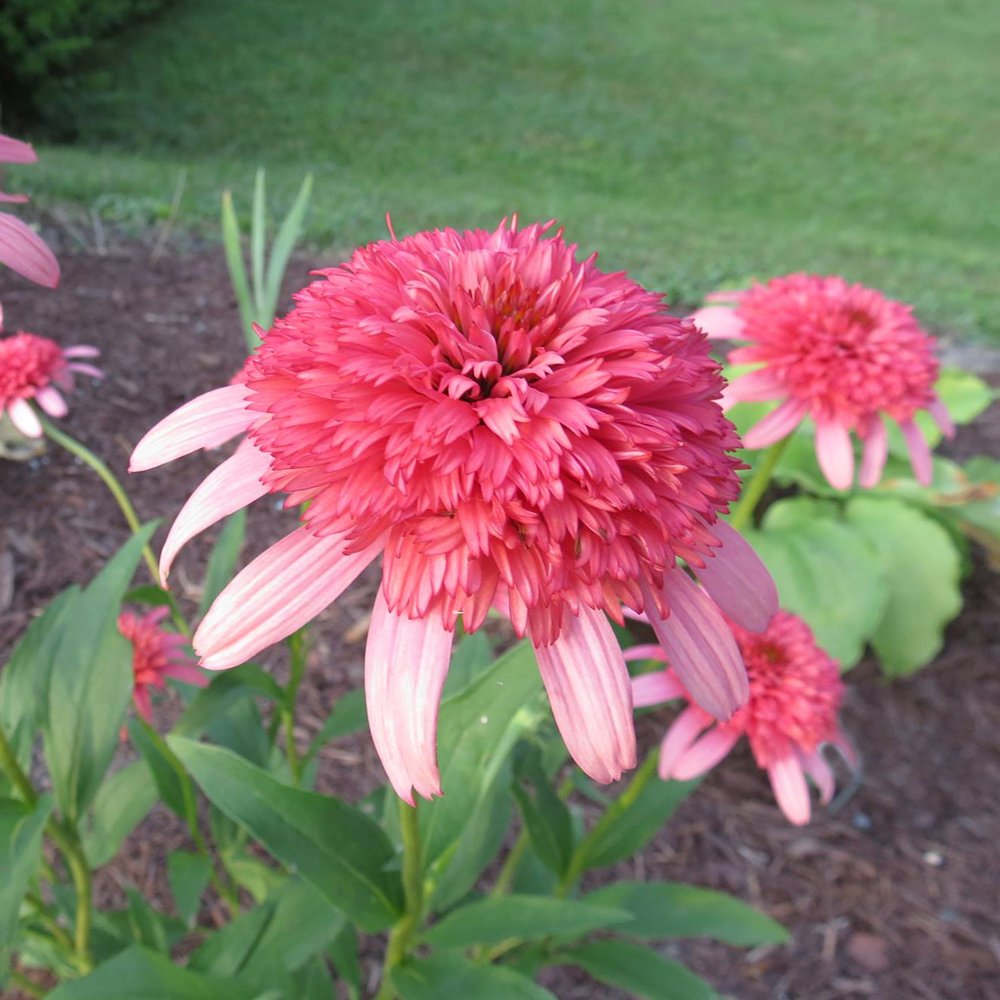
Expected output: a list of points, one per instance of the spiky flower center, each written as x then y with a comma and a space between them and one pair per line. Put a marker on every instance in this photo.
27, 363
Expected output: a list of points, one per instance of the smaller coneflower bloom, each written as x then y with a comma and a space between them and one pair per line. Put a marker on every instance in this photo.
35, 369
21, 248
845, 355
156, 655
795, 694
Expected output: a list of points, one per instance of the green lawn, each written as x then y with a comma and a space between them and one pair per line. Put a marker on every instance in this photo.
688, 141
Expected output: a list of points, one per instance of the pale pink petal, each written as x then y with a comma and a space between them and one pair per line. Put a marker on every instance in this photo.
406, 662
645, 651
738, 581
705, 753
718, 322
284, 588
940, 416
821, 773
685, 729
14, 199
24, 418
846, 749
189, 675
51, 401
655, 688
790, 789
81, 351
835, 453
920, 453
700, 646
24, 251
876, 451
207, 421
16, 151
754, 387
143, 702
587, 682
726, 296
234, 484
778, 424
85, 369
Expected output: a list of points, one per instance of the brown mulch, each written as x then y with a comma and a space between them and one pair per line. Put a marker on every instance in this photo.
892, 894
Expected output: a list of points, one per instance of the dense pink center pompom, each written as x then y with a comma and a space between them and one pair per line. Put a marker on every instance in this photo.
844, 350
521, 429
28, 363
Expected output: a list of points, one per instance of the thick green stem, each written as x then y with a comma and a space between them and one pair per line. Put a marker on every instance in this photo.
298, 648
45, 918
758, 484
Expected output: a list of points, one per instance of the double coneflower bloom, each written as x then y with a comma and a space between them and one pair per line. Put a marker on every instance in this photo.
509, 428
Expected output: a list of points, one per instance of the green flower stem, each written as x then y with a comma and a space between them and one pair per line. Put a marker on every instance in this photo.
17, 777
758, 484
413, 891
298, 648
45, 918
116, 489
26, 985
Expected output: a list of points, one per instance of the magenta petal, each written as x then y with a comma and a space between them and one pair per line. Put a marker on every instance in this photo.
234, 484
821, 773
778, 424
284, 588
941, 416
876, 451
920, 453
24, 251
718, 322
790, 789
587, 682
187, 674
700, 646
16, 151
207, 421
406, 662
835, 454
738, 581
686, 728
705, 753
655, 688
24, 418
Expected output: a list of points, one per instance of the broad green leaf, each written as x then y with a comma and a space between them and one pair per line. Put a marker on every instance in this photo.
545, 815
494, 919
456, 977
239, 728
472, 655
140, 974
640, 971
669, 909
335, 847
188, 875
922, 568
147, 925
90, 683
120, 804
222, 562
348, 716
168, 773
252, 874
343, 953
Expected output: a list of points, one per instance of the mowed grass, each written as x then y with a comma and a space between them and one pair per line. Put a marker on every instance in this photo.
691, 143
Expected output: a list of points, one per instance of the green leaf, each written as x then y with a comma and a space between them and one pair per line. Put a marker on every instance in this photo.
638, 970
258, 236
222, 562
146, 923
472, 655
454, 976
91, 683
826, 572
281, 249
140, 974
21, 828
348, 716
168, 773
188, 875
334, 846
922, 568
494, 919
344, 955
237, 270
545, 815
669, 909
120, 804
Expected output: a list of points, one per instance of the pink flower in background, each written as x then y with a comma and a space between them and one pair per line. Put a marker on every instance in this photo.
844, 355
36, 368
510, 428
156, 655
21, 248
795, 694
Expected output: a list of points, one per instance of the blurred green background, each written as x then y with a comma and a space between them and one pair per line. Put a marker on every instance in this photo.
692, 143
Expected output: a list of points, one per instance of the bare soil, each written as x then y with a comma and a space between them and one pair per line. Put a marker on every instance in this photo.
894, 894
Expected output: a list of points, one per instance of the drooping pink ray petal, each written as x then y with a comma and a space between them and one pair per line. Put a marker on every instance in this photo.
754, 387
719, 322
941, 417
790, 789
920, 453
24, 418
406, 662
285, 587
587, 682
13, 199
655, 688
207, 421
51, 401
234, 484
187, 674
738, 581
686, 728
16, 151
778, 424
875, 452
143, 703
81, 351
835, 454
644, 651
24, 251
815, 765
700, 646
705, 753
84, 369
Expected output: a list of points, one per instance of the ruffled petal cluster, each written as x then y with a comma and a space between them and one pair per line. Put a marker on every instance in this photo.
510, 428
845, 355
795, 695
34, 369
156, 655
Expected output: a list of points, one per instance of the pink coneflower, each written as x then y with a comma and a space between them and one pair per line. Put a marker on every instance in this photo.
36, 368
844, 355
156, 655
510, 428
21, 248
795, 693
